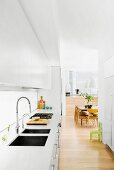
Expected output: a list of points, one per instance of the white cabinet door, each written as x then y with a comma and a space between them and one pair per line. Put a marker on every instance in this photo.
109, 112
25, 70
40, 77
32, 75
22, 61
9, 71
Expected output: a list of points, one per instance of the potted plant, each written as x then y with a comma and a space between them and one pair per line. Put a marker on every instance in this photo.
89, 98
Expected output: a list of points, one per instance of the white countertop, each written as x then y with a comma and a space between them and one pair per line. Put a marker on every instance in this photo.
31, 157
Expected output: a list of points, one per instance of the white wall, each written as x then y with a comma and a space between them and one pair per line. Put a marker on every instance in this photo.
8, 101
63, 91
74, 56
53, 96
84, 81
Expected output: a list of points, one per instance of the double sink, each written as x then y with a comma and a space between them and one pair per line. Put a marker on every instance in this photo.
31, 140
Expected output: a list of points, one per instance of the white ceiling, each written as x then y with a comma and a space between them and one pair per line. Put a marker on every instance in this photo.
73, 30
86, 27
87, 22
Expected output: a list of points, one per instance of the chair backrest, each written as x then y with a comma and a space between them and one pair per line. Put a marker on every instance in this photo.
92, 110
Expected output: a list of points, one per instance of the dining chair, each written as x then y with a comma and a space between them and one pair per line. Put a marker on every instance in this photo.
93, 111
76, 115
96, 134
93, 120
81, 116
93, 116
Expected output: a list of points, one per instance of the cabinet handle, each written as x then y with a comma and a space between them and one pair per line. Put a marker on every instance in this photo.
55, 151
58, 141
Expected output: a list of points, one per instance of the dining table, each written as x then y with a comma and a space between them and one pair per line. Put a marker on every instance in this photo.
93, 110
91, 114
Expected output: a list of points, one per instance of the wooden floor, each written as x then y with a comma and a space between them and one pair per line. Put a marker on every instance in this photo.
78, 153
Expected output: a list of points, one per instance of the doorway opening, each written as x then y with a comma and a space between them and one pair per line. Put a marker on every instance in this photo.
80, 85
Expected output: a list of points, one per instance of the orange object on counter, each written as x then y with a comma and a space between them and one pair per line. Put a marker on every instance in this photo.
41, 103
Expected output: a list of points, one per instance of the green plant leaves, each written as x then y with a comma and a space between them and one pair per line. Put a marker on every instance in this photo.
87, 97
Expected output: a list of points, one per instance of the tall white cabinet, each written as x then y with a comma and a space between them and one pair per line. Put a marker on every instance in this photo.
109, 112
109, 103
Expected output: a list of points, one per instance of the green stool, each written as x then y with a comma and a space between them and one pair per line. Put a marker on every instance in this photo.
96, 134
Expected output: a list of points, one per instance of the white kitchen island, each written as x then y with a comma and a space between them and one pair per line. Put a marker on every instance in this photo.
34, 157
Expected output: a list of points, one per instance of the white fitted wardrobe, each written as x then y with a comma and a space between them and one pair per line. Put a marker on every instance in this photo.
109, 102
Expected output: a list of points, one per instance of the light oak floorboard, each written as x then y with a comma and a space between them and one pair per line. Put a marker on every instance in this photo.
77, 152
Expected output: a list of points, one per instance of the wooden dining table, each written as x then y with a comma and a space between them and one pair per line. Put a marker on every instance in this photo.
92, 113
93, 110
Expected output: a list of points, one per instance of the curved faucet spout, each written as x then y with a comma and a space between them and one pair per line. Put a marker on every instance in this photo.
17, 114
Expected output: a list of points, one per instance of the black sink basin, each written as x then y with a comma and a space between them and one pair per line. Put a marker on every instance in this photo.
29, 141
36, 131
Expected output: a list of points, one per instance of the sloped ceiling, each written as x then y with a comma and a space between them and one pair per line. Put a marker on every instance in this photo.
86, 28
71, 29
41, 18
89, 23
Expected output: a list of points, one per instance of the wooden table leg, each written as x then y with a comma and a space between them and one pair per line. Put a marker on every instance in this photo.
81, 122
